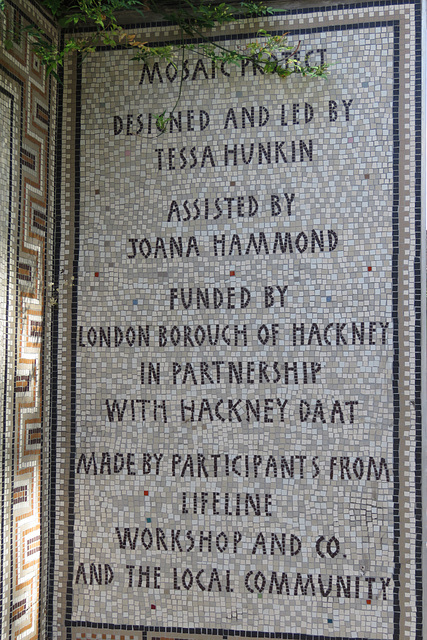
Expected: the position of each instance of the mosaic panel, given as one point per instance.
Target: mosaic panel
(238, 404)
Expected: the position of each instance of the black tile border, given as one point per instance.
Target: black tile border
(44, 528)
(71, 482)
(279, 14)
(418, 275)
(395, 315)
(54, 345)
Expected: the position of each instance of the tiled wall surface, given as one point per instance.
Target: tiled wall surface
(27, 103)
(236, 428)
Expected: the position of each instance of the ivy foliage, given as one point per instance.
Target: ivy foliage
(195, 20)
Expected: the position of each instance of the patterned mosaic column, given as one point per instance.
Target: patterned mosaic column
(27, 107)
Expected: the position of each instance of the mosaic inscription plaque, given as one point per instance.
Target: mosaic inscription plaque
(235, 328)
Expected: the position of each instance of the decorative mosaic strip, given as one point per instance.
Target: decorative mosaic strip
(125, 204)
(26, 222)
(103, 636)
